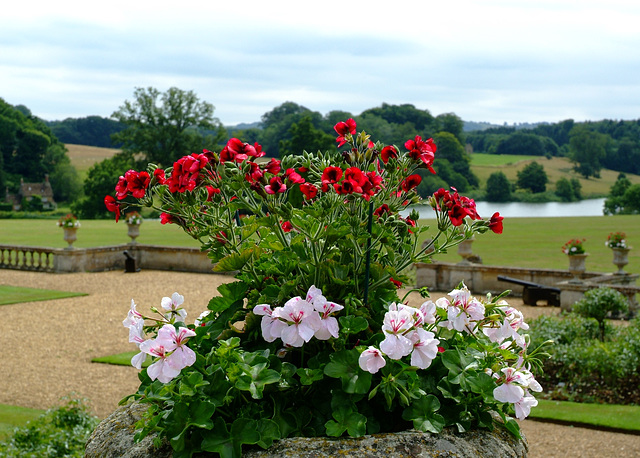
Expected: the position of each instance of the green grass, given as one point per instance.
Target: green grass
(536, 242)
(13, 416)
(92, 233)
(495, 160)
(120, 359)
(599, 415)
(16, 294)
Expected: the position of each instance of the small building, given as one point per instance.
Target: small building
(28, 191)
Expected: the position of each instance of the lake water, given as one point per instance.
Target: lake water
(587, 207)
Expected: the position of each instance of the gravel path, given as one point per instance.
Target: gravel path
(48, 347)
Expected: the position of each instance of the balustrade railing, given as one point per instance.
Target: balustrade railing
(26, 258)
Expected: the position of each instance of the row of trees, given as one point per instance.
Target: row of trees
(591, 146)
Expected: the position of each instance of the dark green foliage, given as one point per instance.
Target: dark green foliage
(587, 149)
(619, 202)
(523, 143)
(533, 177)
(582, 367)
(565, 189)
(91, 131)
(305, 137)
(498, 188)
(59, 432)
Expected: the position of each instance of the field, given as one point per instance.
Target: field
(483, 165)
(526, 242)
(83, 157)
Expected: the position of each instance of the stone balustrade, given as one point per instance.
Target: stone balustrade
(27, 258)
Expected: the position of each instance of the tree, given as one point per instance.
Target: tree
(498, 188)
(533, 177)
(614, 203)
(587, 149)
(631, 200)
(305, 137)
(564, 190)
(452, 123)
(451, 151)
(522, 143)
(166, 126)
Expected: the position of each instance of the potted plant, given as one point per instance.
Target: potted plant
(70, 224)
(617, 241)
(133, 220)
(313, 339)
(574, 248)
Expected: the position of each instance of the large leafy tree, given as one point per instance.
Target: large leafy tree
(305, 137)
(165, 126)
(533, 177)
(498, 188)
(587, 149)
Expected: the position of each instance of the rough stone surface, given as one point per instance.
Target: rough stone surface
(114, 438)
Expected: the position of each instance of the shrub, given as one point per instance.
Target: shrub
(59, 432)
(583, 368)
(599, 303)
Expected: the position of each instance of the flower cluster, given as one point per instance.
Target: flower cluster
(300, 319)
(133, 218)
(574, 246)
(168, 348)
(68, 220)
(616, 240)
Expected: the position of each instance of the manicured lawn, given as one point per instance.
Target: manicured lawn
(16, 294)
(605, 415)
(496, 160)
(13, 416)
(536, 242)
(92, 233)
(120, 359)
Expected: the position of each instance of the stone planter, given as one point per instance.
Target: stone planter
(133, 231)
(114, 438)
(620, 259)
(70, 236)
(577, 266)
(465, 249)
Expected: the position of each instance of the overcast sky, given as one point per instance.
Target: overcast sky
(490, 60)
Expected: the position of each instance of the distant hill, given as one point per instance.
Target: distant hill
(92, 130)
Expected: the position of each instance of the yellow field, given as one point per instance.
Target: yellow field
(83, 157)
(555, 168)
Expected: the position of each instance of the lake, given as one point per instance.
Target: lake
(587, 207)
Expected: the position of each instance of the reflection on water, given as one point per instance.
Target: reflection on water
(588, 207)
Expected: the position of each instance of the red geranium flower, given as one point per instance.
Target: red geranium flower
(495, 223)
(388, 152)
(293, 176)
(411, 182)
(343, 129)
(382, 210)
(422, 150)
(397, 283)
(309, 190)
(137, 183)
(273, 167)
(158, 174)
(331, 175)
(121, 188)
(275, 186)
(287, 226)
(113, 206)
(166, 218)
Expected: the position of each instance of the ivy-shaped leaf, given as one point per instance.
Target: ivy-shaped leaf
(236, 261)
(422, 412)
(344, 365)
(352, 324)
(308, 376)
(459, 364)
(255, 378)
(228, 443)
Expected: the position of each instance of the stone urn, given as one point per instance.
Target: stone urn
(114, 438)
(70, 236)
(620, 259)
(577, 266)
(133, 231)
(465, 249)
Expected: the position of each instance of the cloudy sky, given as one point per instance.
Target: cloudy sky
(491, 60)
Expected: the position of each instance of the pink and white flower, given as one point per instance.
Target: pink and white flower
(271, 326)
(328, 324)
(510, 389)
(301, 320)
(425, 348)
(173, 306)
(161, 369)
(463, 310)
(182, 356)
(523, 406)
(133, 316)
(371, 360)
(395, 325)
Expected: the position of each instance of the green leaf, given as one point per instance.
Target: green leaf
(308, 376)
(235, 261)
(229, 443)
(344, 365)
(269, 432)
(230, 293)
(256, 376)
(352, 324)
(459, 365)
(422, 412)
